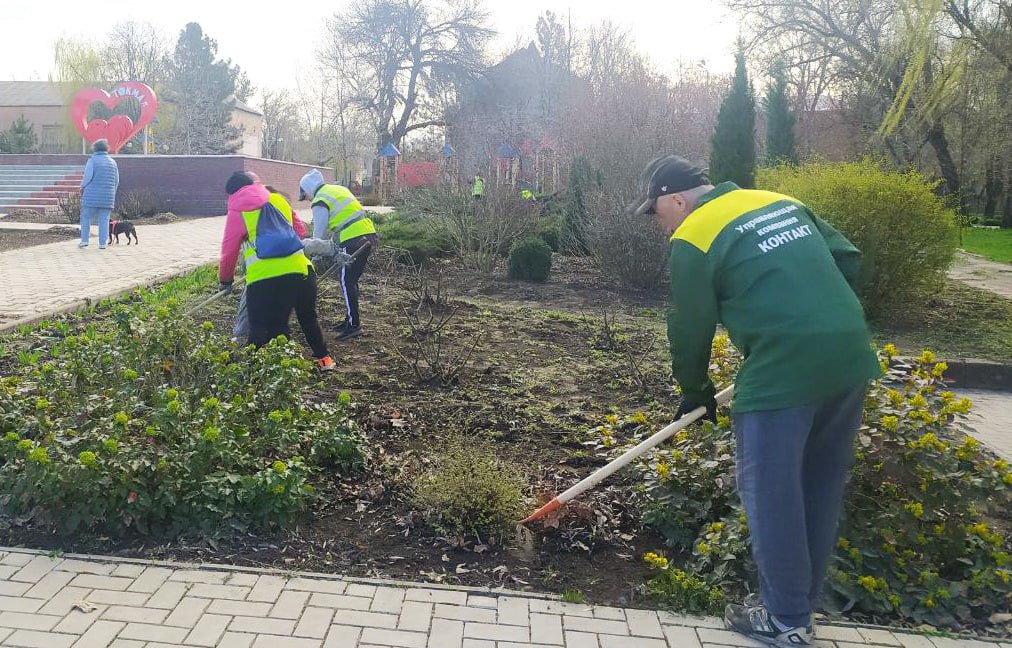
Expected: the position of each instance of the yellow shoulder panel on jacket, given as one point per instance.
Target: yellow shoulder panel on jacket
(705, 223)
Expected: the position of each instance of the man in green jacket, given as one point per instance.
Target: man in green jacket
(780, 280)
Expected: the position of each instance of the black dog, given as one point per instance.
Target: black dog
(118, 227)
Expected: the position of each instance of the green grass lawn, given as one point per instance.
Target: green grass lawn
(992, 244)
(958, 322)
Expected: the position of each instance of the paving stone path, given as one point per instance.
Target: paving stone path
(991, 419)
(982, 273)
(89, 602)
(57, 277)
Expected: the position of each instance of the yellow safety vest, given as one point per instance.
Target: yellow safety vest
(346, 214)
(258, 269)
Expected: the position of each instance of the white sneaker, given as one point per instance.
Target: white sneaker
(82, 245)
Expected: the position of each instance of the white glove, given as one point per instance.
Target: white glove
(315, 247)
(342, 258)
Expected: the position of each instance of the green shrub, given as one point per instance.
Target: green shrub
(530, 260)
(917, 540)
(469, 491)
(583, 179)
(550, 233)
(163, 426)
(902, 227)
(413, 236)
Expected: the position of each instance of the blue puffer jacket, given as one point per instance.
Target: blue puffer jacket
(101, 178)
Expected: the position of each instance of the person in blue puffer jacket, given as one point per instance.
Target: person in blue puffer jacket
(98, 193)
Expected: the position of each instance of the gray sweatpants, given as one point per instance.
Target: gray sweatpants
(792, 465)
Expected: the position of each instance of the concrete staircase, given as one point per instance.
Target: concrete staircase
(37, 188)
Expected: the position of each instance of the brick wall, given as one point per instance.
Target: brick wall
(191, 185)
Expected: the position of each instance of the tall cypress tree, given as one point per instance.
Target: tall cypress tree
(732, 149)
(780, 144)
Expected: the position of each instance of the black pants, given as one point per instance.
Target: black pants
(351, 274)
(270, 303)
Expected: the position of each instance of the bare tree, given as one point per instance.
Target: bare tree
(408, 51)
(344, 76)
(136, 52)
(866, 47)
(280, 124)
(988, 23)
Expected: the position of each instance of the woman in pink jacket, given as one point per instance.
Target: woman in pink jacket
(269, 301)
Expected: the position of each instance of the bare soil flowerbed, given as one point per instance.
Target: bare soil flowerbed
(545, 369)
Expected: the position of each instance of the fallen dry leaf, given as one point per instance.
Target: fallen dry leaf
(84, 606)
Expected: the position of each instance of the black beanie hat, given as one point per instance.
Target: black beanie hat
(237, 181)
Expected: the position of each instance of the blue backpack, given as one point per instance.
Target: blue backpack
(275, 235)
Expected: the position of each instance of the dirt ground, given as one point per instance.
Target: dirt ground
(14, 239)
(540, 368)
(54, 217)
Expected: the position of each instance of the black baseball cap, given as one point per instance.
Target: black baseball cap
(667, 175)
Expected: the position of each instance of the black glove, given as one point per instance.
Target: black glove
(709, 402)
(225, 286)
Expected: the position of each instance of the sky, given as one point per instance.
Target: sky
(667, 31)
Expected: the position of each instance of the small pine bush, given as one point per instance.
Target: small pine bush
(470, 492)
(530, 260)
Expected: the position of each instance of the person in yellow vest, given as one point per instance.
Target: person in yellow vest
(338, 215)
(279, 278)
(478, 188)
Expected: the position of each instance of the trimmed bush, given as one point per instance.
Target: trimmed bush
(530, 260)
(899, 223)
(924, 534)
(159, 425)
(470, 492)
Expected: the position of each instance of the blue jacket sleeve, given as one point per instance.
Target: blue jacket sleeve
(89, 173)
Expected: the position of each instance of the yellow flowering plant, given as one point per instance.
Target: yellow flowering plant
(917, 543)
(920, 498)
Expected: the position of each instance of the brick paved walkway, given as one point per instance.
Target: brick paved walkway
(138, 604)
(57, 277)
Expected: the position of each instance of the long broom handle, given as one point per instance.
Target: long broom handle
(595, 478)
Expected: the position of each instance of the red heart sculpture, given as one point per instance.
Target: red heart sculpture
(119, 128)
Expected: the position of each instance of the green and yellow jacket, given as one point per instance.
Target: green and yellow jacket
(780, 280)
